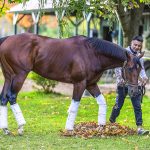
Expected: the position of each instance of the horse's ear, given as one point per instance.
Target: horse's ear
(141, 55)
(124, 64)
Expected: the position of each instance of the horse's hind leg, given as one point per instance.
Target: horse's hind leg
(95, 92)
(16, 85)
(72, 111)
(3, 108)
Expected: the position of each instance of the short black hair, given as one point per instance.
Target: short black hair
(95, 33)
(138, 38)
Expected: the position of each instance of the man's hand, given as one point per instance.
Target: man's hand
(121, 82)
(144, 81)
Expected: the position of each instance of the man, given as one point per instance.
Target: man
(122, 89)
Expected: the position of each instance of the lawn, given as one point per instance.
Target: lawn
(46, 115)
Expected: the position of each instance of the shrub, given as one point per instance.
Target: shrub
(46, 84)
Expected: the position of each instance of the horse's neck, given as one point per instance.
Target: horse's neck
(110, 63)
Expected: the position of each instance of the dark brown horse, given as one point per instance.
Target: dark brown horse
(78, 60)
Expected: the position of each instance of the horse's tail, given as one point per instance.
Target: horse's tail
(3, 39)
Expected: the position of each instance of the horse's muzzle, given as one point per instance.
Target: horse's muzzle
(133, 91)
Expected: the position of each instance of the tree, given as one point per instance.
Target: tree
(130, 19)
(129, 12)
(6, 4)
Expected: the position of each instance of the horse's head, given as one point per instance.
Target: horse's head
(131, 70)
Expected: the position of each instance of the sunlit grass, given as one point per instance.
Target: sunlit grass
(1, 78)
(46, 115)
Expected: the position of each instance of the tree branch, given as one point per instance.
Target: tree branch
(1, 9)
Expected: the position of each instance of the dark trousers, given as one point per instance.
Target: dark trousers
(136, 102)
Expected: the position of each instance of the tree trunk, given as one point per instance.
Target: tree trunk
(130, 21)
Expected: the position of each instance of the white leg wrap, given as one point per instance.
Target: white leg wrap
(3, 117)
(72, 112)
(102, 110)
(18, 114)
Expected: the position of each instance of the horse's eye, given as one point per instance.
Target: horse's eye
(130, 69)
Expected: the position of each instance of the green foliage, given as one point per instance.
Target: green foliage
(46, 84)
(46, 31)
(17, 1)
(53, 32)
(3, 8)
(145, 1)
(4, 5)
(75, 7)
(99, 8)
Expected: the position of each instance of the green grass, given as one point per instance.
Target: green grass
(46, 115)
(1, 78)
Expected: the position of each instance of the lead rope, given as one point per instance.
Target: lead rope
(124, 77)
(142, 91)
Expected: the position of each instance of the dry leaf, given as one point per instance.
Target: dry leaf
(90, 129)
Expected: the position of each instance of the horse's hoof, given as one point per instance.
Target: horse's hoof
(6, 131)
(100, 127)
(20, 130)
(68, 133)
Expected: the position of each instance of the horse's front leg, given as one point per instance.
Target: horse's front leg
(19, 117)
(95, 92)
(73, 109)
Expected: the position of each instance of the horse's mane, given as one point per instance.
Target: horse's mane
(3, 39)
(107, 48)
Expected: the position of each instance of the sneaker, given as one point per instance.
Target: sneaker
(141, 131)
(112, 120)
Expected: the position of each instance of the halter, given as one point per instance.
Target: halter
(141, 89)
(124, 74)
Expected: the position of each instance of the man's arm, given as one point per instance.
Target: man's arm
(119, 79)
(143, 76)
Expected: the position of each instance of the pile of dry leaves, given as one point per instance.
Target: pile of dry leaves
(91, 129)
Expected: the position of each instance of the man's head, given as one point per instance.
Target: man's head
(136, 43)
